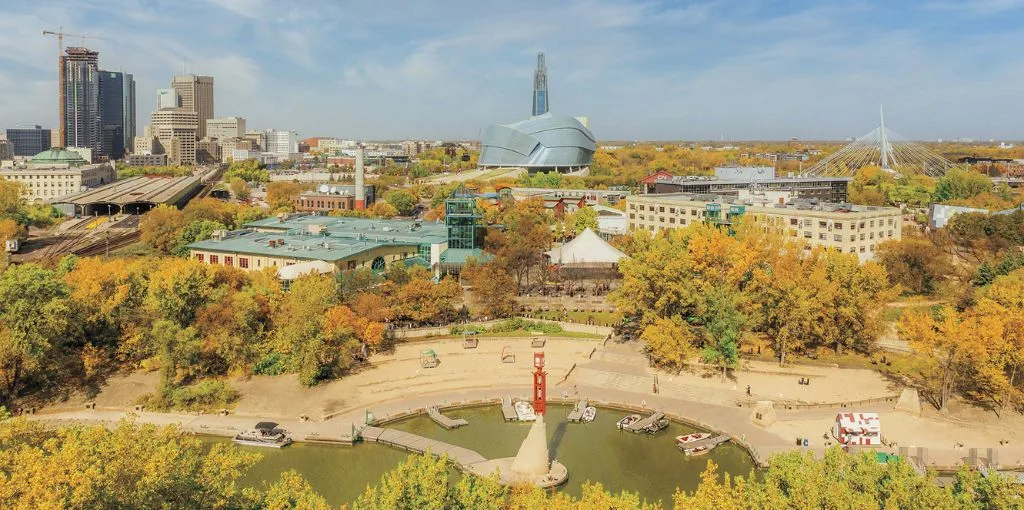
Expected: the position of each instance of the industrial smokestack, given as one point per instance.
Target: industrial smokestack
(360, 176)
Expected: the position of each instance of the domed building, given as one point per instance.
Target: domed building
(56, 173)
(540, 143)
(57, 157)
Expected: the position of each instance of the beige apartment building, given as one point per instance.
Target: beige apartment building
(848, 228)
(225, 128)
(176, 131)
(196, 94)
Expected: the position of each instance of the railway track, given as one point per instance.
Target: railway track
(104, 245)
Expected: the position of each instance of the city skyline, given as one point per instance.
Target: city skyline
(657, 70)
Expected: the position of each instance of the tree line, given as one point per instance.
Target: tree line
(696, 292)
(197, 323)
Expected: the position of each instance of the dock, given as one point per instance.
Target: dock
(576, 415)
(507, 411)
(463, 457)
(709, 442)
(646, 423)
(435, 414)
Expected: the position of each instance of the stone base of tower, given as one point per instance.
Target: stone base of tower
(529, 466)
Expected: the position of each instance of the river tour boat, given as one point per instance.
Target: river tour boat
(265, 434)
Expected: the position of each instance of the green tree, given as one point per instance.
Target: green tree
(669, 342)
(402, 201)
(34, 320)
(961, 184)
(195, 231)
(582, 219)
(724, 323)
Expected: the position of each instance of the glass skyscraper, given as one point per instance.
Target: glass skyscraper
(540, 87)
(81, 98)
(117, 113)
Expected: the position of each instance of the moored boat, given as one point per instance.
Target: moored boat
(700, 450)
(589, 414)
(628, 420)
(265, 434)
(524, 411)
(692, 438)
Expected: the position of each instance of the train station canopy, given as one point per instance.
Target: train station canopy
(588, 249)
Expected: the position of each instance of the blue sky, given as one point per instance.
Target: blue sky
(732, 69)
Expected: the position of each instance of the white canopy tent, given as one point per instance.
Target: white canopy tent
(588, 249)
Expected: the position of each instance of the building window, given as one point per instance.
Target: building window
(682, 221)
(671, 220)
(838, 226)
(214, 259)
(672, 210)
(632, 216)
(822, 224)
(853, 250)
(890, 233)
(821, 236)
(837, 238)
(862, 249)
(351, 264)
(853, 238)
(243, 262)
(661, 209)
(661, 219)
(199, 257)
(862, 224)
(872, 223)
(794, 221)
(862, 237)
(871, 235)
(807, 235)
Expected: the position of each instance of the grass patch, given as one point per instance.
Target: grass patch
(893, 313)
(205, 396)
(139, 249)
(598, 318)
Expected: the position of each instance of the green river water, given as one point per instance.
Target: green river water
(594, 451)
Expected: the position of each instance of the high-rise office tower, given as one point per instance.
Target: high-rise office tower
(175, 130)
(117, 113)
(225, 128)
(196, 95)
(540, 87)
(81, 101)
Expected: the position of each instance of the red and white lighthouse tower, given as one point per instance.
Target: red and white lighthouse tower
(540, 384)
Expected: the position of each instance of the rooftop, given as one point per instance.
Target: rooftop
(405, 231)
(141, 189)
(58, 156)
(304, 246)
(706, 179)
(798, 204)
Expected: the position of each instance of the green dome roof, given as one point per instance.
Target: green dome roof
(58, 155)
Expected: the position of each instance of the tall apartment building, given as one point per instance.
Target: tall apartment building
(117, 113)
(196, 95)
(848, 228)
(281, 143)
(225, 127)
(81, 101)
(167, 98)
(29, 141)
(176, 131)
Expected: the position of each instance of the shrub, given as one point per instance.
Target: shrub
(271, 364)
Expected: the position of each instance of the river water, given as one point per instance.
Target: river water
(597, 451)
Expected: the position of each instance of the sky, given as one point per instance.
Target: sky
(639, 70)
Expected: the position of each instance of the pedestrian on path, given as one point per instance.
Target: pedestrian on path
(748, 390)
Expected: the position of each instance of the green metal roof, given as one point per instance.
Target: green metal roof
(303, 247)
(399, 230)
(58, 155)
(414, 261)
(461, 255)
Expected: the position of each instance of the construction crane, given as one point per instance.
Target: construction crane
(60, 77)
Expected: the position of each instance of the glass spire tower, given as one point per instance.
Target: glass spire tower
(540, 87)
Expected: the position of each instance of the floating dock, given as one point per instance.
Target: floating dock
(464, 457)
(435, 414)
(652, 422)
(507, 410)
(576, 415)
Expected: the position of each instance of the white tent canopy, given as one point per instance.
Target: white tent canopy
(294, 271)
(588, 248)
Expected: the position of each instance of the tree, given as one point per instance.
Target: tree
(724, 323)
(239, 188)
(382, 210)
(669, 342)
(582, 219)
(494, 290)
(249, 170)
(402, 201)
(160, 227)
(281, 193)
(179, 288)
(10, 229)
(915, 263)
(34, 320)
(960, 184)
(947, 340)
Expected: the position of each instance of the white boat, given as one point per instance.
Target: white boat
(692, 438)
(700, 450)
(628, 420)
(524, 411)
(589, 414)
(266, 434)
